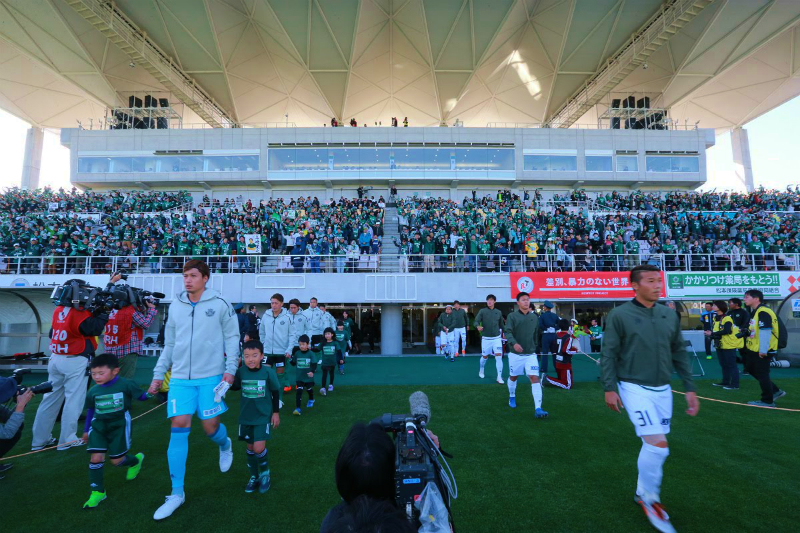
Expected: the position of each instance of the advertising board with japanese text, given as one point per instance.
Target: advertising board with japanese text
(573, 285)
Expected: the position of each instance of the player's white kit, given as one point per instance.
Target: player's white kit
(523, 365)
(649, 408)
(492, 345)
(459, 333)
(447, 338)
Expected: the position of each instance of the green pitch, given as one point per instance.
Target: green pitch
(731, 468)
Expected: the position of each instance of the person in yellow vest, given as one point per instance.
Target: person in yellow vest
(761, 342)
(725, 333)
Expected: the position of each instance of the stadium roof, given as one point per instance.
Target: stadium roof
(480, 61)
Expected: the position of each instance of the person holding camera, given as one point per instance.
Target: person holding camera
(124, 333)
(73, 341)
(365, 469)
(11, 422)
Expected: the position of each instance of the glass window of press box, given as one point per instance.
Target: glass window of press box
(408, 158)
(551, 162)
(169, 163)
(599, 163)
(683, 163)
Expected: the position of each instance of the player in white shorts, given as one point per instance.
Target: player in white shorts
(460, 327)
(521, 331)
(447, 320)
(490, 323)
(642, 343)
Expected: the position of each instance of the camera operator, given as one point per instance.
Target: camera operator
(11, 422)
(73, 341)
(124, 333)
(365, 466)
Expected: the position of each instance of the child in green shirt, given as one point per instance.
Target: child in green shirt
(343, 338)
(306, 363)
(331, 356)
(108, 424)
(259, 409)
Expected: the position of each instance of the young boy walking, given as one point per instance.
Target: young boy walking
(331, 356)
(343, 338)
(305, 362)
(258, 411)
(108, 424)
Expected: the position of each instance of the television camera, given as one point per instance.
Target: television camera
(79, 294)
(418, 461)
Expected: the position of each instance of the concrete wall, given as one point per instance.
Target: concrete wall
(454, 184)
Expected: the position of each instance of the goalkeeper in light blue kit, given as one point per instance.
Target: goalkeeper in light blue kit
(201, 346)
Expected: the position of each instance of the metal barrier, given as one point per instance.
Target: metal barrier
(422, 263)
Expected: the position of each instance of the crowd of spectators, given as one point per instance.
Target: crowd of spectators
(681, 230)
(87, 237)
(17, 201)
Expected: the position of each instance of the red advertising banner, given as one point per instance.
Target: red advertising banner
(573, 285)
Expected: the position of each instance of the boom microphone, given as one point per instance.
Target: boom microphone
(420, 407)
(158, 295)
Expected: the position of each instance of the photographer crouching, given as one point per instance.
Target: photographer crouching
(11, 422)
(124, 331)
(389, 485)
(80, 316)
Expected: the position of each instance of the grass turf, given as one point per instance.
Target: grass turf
(731, 468)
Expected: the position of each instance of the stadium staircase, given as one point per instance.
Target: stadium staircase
(391, 231)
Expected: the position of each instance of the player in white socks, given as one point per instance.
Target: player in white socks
(489, 322)
(521, 331)
(642, 344)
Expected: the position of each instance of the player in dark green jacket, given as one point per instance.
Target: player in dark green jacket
(259, 409)
(642, 344)
(521, 331)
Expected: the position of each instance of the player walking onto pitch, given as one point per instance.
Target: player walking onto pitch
(201, 330)
(642, 343)
(460, 325)
(489, 322)
(447, 321)
(521, 330)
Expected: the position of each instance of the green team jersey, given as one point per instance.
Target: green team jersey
(258, 387)
(331, 353)
(459, 318)
(342, 337)
(183, 248)
(596, 331)
(491, 320)
(112, 400)
(305, 362)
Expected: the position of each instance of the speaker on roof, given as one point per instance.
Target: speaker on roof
(163, 102)
(134, 101)
(139, 124)
(162, 123)
(630, 123)
(614, 123)
(149, 101)
(615, 103)
(643, 103)
(629, 102)
(639, 124)
(652, 119)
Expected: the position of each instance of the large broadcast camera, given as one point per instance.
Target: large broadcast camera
(418, 461)
(79, 294)
(41, 388)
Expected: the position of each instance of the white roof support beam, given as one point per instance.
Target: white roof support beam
(659, 29)
(116, 27)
